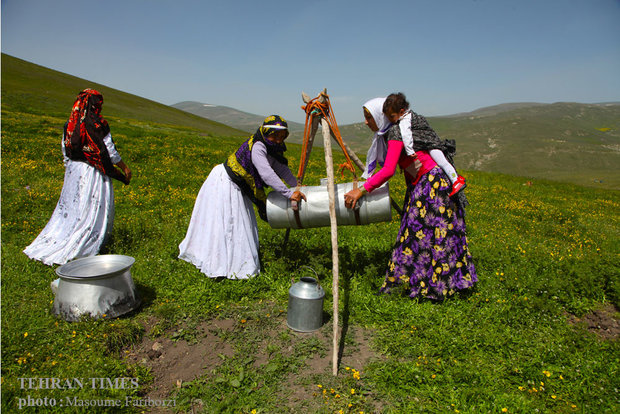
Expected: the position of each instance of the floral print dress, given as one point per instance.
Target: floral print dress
(431, 257)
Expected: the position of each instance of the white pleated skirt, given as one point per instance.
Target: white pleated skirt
(82, 220)
(222, 237)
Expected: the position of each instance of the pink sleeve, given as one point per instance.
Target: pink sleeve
(394, 150)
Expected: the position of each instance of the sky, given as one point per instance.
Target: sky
(447, 56)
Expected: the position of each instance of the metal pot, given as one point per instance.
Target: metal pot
(305, 305)
(372, 208)
(98, 286)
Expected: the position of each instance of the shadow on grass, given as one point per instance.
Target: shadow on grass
(147, 296)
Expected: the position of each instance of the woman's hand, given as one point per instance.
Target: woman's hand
(125, 169)
(298, 196)
(350, 198)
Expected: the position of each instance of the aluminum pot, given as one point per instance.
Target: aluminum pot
(305, 305)
(371, 208)
(97, 286)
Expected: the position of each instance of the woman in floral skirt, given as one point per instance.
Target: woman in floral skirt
(430, 257)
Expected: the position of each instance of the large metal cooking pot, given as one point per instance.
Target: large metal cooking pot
(98, 286)
(371, 208)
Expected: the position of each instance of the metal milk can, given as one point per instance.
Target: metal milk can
(305, 305)
(374, 207)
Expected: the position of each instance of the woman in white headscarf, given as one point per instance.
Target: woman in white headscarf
(378, 123)
(430, 257)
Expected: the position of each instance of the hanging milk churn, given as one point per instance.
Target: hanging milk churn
(314, 212)
(305, 305)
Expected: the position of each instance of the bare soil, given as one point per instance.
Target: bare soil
(603, 322)
(174, 362)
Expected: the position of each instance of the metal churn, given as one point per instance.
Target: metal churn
(305, 305)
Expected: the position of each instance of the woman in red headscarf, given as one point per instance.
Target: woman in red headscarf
(84, 215)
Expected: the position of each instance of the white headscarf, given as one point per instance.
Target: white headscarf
(378, 148)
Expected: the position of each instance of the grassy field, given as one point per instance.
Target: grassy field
(547, 255)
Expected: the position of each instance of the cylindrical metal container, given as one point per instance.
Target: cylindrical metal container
(314, 212)
(305, 305)
(97, 286)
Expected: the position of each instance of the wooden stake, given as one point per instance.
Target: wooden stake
(329, 163)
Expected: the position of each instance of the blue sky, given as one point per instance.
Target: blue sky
(447, 56)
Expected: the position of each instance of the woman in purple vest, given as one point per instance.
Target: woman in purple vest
(222, 238)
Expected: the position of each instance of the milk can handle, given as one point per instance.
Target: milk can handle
(317, 277)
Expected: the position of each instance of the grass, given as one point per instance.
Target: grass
(543, 252)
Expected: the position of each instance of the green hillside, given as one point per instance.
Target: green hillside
(30, 88)
(569, 142)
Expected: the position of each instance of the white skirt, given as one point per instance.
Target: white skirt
(82, 220)
(222, 237)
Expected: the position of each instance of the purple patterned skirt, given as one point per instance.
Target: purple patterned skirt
(430, 257)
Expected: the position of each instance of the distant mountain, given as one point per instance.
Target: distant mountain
(507, 107)
(229, 116)
(563, 141)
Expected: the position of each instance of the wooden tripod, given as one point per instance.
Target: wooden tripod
(315, 114)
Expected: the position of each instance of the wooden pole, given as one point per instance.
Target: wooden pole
(327, 145)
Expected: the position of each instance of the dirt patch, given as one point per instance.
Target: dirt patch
(603, 322)
(174, 361)
(174, 358)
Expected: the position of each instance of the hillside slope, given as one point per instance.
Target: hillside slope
(570, 142)
(24, 83)
(230, 116)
